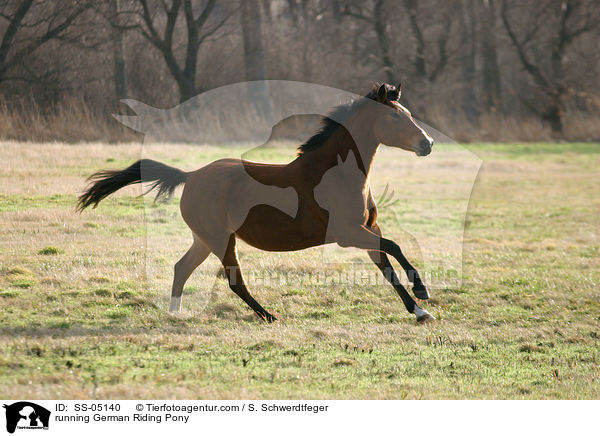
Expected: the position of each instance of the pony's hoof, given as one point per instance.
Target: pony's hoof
(420, 291)
(426, 318)
(267, 317)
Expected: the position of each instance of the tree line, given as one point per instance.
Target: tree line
(460, 60)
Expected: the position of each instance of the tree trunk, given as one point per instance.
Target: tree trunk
(120, 73)
(553, 116)
(380, 24)
(119, 61)
(254, 53)
(469, 43)
(253, 48)
(554, 113)
(185, 84)
(187, 89)
(491, 90)
(336, 10)
(411, 7)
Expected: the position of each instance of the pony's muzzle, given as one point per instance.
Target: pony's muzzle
(424, 147)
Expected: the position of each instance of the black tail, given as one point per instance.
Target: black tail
(106, 182)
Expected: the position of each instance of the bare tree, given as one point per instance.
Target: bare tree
(422, 69)
(253, 46)
(427, 69)
(376, 18)
(469, 45)
(29, 25)
(425, 63)
(475, 56)
(198, 28)
(253, 51)
(491, 86)
(117, 36)
(552, 26)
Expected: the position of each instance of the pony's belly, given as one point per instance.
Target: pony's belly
(267, 228)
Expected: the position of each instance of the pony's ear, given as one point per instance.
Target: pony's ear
(339, 159)
(351, 159)
(382, 94)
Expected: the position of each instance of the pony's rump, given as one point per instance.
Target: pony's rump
(164, 177)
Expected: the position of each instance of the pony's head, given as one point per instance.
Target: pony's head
(393, 124)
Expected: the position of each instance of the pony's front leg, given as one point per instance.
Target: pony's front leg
(393, 249)
(370, 239)
(383, 263)
(419, 288)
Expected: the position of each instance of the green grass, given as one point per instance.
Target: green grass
(47, 251)
(84, 297)
(537, 149)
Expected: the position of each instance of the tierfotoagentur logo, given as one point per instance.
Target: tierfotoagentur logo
(25, 415)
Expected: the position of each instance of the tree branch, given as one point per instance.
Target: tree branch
(442, 51)
(52, 32)
(527, 64)
(11, 31)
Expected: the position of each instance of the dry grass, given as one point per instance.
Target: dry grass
(74, 121)
(89, 320)
(70, 121)
(496, 127)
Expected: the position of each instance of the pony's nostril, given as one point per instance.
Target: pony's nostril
(424, 147)
(426, 143)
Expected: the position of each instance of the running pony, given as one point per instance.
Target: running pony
(322, 196)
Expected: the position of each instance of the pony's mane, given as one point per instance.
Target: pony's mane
(340, 113)
(328, 127)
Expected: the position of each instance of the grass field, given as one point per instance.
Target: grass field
(83, 309)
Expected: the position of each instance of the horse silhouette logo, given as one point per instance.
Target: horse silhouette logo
(26, 415)
(321, 196)
(346, 207)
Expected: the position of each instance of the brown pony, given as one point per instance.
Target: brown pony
(322, 196)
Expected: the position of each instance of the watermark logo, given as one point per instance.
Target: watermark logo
(426, 217)
(25, 415)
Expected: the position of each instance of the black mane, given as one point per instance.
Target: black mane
(341, 113)
(328, 127)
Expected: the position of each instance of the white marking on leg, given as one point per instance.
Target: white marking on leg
(420, 312)
(175, 305)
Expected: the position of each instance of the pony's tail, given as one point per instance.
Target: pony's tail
(104, 183)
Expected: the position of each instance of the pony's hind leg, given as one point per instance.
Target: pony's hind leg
(236, 281)
(197, 253)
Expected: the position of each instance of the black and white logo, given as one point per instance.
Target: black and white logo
(26, 415)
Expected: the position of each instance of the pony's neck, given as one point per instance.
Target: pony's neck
(340, 143)
(353, 137)
(363, 143)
